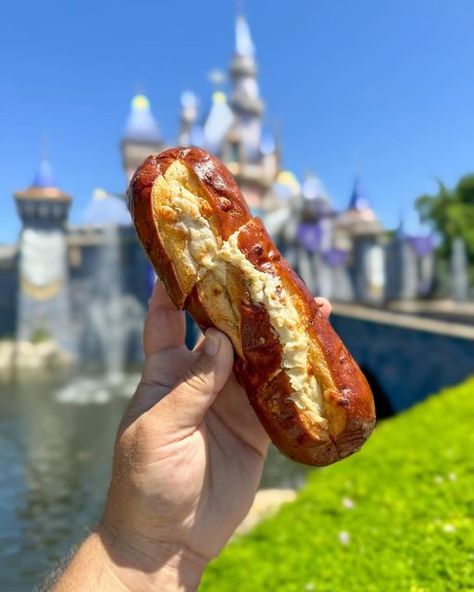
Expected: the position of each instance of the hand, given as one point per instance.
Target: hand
(188, 461)
(190, 449)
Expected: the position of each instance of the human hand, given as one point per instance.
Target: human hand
(190, 449)
(188, 460)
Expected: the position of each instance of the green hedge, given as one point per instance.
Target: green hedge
(397, 516)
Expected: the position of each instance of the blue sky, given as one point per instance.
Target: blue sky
(385, 89)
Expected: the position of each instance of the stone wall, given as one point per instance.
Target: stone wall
(405, 358)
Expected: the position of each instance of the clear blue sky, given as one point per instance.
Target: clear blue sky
(383, 88)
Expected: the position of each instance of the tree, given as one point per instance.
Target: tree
(451, 214)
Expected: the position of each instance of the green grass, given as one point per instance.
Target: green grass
(410, 529)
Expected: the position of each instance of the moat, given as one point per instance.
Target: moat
(56, 440)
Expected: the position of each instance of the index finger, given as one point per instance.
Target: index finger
(164, 323)
(325, 306)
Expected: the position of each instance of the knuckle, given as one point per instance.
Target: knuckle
(195, 380)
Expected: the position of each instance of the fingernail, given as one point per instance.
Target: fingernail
(211, 343)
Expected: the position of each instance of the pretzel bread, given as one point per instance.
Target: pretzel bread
(219, 263)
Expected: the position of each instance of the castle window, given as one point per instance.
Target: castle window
(43, 210)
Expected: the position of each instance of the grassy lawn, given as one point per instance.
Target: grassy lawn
(398, 516)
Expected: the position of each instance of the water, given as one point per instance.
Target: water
(56, 439)
(114, 320)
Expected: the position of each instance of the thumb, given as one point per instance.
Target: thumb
(188, 402)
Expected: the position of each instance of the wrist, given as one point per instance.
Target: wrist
(147, 565)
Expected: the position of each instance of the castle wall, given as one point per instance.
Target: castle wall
(405, 358)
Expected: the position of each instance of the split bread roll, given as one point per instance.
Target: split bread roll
(219, 263)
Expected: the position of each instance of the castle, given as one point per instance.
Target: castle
(77, 283)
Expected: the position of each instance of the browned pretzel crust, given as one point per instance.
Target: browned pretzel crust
(219, 263)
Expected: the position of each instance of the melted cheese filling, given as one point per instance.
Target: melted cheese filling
(201, 241)
(267, 290)
(203, 255)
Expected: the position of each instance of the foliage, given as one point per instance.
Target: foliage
(410, 527)
(451, 213)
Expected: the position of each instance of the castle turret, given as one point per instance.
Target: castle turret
(358, 230)
(43, 204)
(245, 99)
(251, 155)
(409, 264)
(358, 218)
(218, 122)
(189, 115)
(43, 307)
(315, 200)
(401, 267)
(142, 136)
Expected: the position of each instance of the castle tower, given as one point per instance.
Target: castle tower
(401, 267)
(142, 136)
(358, 230)
(43, 306)
(218, 122)
(189, 115)
(245, 98)
(358, 218)
(410, 265)
(252, 156)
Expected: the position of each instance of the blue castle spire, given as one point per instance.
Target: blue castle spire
(244, 45)
(44, 175)
(141, 125)
(358, 200)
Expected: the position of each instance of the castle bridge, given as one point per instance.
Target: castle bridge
(405, 357)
